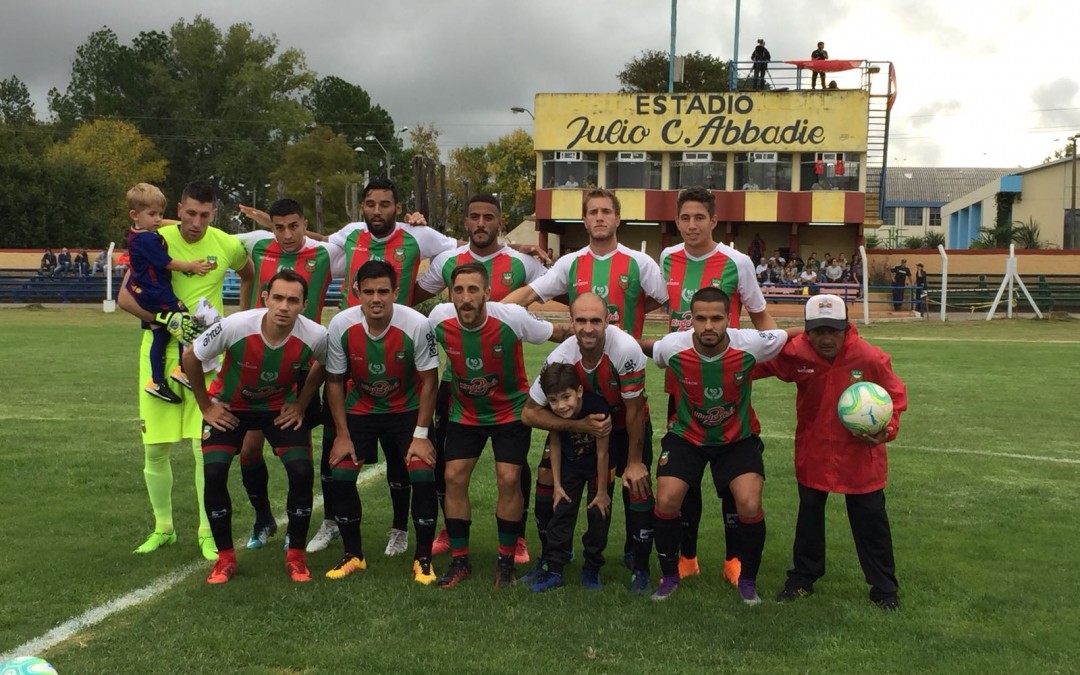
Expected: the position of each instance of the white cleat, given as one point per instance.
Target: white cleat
(398, 543)
(327, 533)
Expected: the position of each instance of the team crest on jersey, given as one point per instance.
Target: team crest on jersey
(498, 349)
(856, 376)
(309, 265)
(600, 290)
(268, 376)
(624, 281)
(400, 357)
(212, 261)
(376, 368)
(399, 254)
(508, 278)
(663, 458)
(739, 376)
(142, 425)
(714, 392)
(296, 365)
(717, 283)
(613, 383)
(474, 363)
(205, 431)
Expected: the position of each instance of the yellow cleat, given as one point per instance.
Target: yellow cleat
(158, 539)
(688, 567)
(732, 570)
(347, 566)
(423, 573)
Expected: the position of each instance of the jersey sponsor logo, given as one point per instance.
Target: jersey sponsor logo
(715, 416)
(804, 370)
(376, 368)
(268, 376)
(684, 322)
(628, 367)
(380, 388)
(767, 336)
(212, 333)
(714, 393)
(508, 278)
(474, 362)
(624, 281)
(260, 393)
(478, 387)
(602, 291)
(613, 315)
(432, 347)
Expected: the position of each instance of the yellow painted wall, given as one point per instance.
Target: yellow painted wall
(1046, 195)
(828, 207)
(760, 206)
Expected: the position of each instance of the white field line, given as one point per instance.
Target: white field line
(959, 451)
(91, 617)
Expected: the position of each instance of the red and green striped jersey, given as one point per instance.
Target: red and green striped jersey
(256, 375)
(488, 380)
(382, 369)
(508, 270)
(620, 373)
(712, 403)
(723, 268)
(623, 278)
(316, 261)
(403, 248)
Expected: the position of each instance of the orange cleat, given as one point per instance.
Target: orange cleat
(732, 570)
(224, 568)
(688, 567)
(296, 567)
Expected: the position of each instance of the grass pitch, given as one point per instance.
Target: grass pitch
(984, 498)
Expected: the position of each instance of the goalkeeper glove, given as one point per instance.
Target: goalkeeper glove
(180, 325)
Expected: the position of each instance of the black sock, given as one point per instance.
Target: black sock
(256, 480)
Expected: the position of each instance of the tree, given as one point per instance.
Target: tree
(325, 156)
(466, 174)
(120, 156)
(347, 110)
(15, 106)
(649, 73)
(512, 166)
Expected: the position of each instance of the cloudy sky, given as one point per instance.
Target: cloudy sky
(981, 82)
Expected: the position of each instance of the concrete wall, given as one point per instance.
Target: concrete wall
(981, 262)
(1047, 193)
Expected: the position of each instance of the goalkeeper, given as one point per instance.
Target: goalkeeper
(164, 424)
(150, 281)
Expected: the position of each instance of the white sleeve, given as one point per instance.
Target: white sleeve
(749, 290)
(425, 351)
(338, 238)
(318, 350)
(555, 281)
(765, 345)
(438, 314)
(337, 258)
(533, 269)
(652, 280)
(249, 239)
(431, 280)
(527, 326)
(213, 343)
(663, 349)
(336, 361)
(432, 242)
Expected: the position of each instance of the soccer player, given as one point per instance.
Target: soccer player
(628, 281)
(579, 465)
(482, 340)
(696, 263)
(149, 281)
(265, 352)
(508, 270)
(829, 357)
(714, 424)
(610, 363)
(285, 246)
(404, 246)
(387, 353)
(164, 424)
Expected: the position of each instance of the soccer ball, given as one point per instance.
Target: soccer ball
(865, 408)
(26, 665)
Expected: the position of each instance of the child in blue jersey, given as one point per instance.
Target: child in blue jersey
(149, 280)
(579, 466)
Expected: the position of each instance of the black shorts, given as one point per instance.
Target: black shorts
(313, 414)
(394, 431)
(509, 442)
(683, 460)
(250, 420)
(617, 449)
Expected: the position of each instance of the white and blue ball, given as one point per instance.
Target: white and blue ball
(865, 408)
(27, 665)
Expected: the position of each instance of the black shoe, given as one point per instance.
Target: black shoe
(790, 593)
(504, 572)
(460, 569)
(161, 390)
(889, 604)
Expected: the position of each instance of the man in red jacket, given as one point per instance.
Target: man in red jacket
(824, 361)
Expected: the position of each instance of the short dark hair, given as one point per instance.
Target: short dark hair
(601, 193)
(200, 191)
(381, 184)
(558, 377)
(471, 268)
(288, 275)
(376, 269)
(486, 199)
(711, 294)
(286, 207)
(697, 194)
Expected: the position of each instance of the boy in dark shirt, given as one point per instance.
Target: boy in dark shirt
(149, 281)
(579, 464)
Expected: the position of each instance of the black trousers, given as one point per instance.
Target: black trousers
(869, 528)
(898, 297)
(560, 531)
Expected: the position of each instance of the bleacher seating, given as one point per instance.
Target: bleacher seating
(777, 293)
(975, 292)
(27, 286)
(231, 292)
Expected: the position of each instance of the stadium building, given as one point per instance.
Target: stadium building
(801, 168)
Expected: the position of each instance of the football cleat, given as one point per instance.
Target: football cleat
(546, 582)
(160, 390)
(688, 567)
(178, 376)
(327, 532)
(521, 552)
(639, 583)
(791, 593)
(590, 579)
(441, 544)
(460, 569)
(748, 591)
(224, 569)
(347, 566)
(423, 573)
(668, 586)
(208, 547)
(398, 542)
(260, 534)
(296, 567)
(155, 541)
(732, 570)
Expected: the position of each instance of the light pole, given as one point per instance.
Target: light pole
(1072, 211)
(518, 109)
(389, 168)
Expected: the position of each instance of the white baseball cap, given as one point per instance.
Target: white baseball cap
(826, 311)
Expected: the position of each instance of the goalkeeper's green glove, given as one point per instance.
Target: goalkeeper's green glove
(181, 326)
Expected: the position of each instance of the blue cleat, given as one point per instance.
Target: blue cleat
(590, 579)
(639, 583)
(546, 582)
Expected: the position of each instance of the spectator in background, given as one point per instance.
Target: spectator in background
(812, 263)
(807, 277)
(776, 271)
(123, 261)
(835, 271)
(901, 274)
(818, 54)
(761, 58)
(63, 262)
(848, 276)
(48, 263)
(750, 184)
(100, 262)
(82, 263)
(799, 264)
(571, 182)
(779, 257)
(757, 248)
(762, 271)
(790, 276)
(920, 289)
